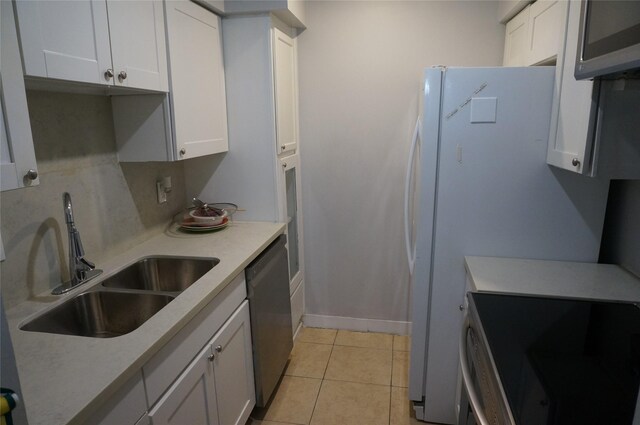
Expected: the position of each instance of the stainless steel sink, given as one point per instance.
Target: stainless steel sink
(168, 274)
(100, 314)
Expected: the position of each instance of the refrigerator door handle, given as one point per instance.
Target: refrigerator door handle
(411, 251)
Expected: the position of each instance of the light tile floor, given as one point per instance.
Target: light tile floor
(342, 378)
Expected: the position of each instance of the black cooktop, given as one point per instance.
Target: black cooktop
(564, 361)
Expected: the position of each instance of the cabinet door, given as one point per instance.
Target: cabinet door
(192, 398)
(284, 70)
(545, 30)
(67, 40)
(233, 368)
(291, 213)
(516, 47)
(138, 44)
(573, 112)
(197, 80)
(17, 156)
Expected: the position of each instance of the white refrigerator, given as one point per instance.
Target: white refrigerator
(483, 187)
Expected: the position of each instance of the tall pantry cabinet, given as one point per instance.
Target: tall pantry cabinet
(261, 171)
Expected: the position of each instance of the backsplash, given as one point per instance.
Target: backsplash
(114, 204)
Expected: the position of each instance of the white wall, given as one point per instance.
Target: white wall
(360, 67)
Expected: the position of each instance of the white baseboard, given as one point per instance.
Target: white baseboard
(355, 324)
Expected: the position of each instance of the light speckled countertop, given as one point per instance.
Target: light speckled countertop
(65, 378)
(552, 278)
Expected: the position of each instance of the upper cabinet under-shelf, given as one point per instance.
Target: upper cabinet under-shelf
(108, 43)
(534, 35)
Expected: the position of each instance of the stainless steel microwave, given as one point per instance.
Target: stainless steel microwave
(609, 42)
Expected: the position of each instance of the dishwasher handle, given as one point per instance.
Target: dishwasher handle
(466, 375)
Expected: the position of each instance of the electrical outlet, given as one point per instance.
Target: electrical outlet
(162, 194)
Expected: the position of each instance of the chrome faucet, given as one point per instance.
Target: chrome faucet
(81, 270)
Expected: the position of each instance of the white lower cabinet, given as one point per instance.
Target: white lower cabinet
(233, 368)
(217, 387)
(192, 398)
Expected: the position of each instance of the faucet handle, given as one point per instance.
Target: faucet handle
(87, 263)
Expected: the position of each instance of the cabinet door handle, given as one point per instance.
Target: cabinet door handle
(283, 147)
(122, 76)
(575, 162)
(219, 349)
(211, 357)
(183, 151)
(108, 74)
(31, 174)
(284, 165)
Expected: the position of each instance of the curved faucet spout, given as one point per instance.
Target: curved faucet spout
(68, 208)
(81, 270)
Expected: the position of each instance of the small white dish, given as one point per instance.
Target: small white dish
(208, 220)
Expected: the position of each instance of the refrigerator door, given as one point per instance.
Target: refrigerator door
(495, 196)
(425, 210)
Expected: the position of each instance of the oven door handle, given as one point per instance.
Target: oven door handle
(466, 375)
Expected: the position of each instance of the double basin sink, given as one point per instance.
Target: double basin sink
(123, 302)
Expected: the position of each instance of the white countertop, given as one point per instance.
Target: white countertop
(552, 278)
(65, 378)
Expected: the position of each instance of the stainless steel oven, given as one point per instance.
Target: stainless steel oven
(483, 401)
(529, 360)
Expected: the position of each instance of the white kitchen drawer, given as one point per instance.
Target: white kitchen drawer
(170, 361)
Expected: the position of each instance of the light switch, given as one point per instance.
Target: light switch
(484, 109)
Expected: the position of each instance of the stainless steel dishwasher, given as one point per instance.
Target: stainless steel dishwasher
(270, 307)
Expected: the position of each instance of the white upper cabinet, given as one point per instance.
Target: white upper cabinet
(138, 45)
(197, 79)
(515, 39)
(574, 108)
(545, 26)
(190, 121)
(285, 87)
(17, 156)
(119, 43)
(534, 35)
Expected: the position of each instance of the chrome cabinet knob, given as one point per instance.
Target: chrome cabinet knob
(461, 307)
(183, 151)
(122, 76)
(219, 349)
(31, 174)
(108, 74)
(211, 357)
(575, 162)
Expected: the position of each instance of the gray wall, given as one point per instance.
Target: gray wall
(360, 68)
(621, 237)
(114, 204)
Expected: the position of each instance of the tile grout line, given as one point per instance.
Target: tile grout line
(322, 379)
